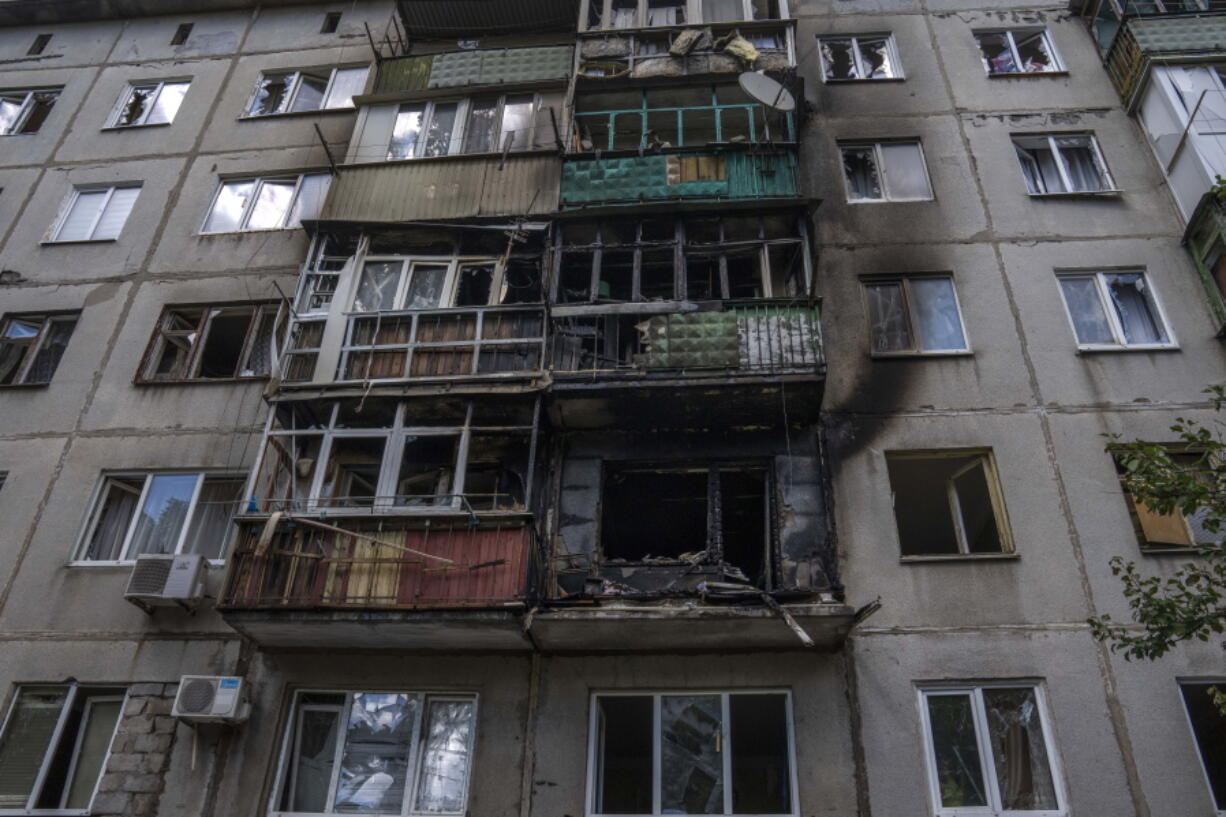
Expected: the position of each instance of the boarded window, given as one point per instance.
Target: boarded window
(947, 503)
(1173, 530)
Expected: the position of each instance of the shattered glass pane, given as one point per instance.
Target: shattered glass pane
(955, 750)
(837, 57)
(445, 758)
(314, 758)
(40, 108)
(1019, 752)
(875, 58)
(691, 761)
(134, 110)
(406, 132)
(1033, 50)
(996, 53)
(516, 122)
(272, 95)
(374, 766)
(625, 755)
(377, 287)
(1086, 310)
(860, 169)
(426, 286)
(1133, 305)
(888, 318)
(761, 772)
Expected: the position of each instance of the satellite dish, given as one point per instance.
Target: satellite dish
(767, 91)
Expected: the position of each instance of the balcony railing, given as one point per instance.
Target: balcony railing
(740, 338)
(688, 126)
(307, 565)
(1129, 43)
(443, 343)
(728, 174)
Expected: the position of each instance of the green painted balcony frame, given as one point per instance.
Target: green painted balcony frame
(1205, 241)
(720, 175)
(757, 130)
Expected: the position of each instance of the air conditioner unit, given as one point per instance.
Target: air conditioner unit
(166, 581)
(211, 699)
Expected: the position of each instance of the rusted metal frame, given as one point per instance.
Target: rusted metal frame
(715, 527)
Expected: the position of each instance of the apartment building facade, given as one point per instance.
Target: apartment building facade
(598, 407)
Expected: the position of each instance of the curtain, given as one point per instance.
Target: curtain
(1134, 308)
(722, 11)
(444, 767)
(860, 168)
(888, 318)
(1089, 320)
(210, 526)
(905, 177)
(118, 505)
(1081, 164)
(1018, 750)
(939, 328)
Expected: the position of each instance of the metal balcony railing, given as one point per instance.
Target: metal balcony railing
(307, 564)
(741, 338)
(647, 127)
(443, 343)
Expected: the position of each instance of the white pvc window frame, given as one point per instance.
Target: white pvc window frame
(693, 15)
(109, 480)
(1011, 35)
(1113, 317)
(156, 86)
(984, 746)
(285, 775)
(451, 281)
(460, 127)
(1100, 163)
(74, 199)
(198, 337)
(882, 177)
(26, 106)
(295, 85)
(656, 728)
(74, 690)
(1219, 682)
(258, 183)
(891, 45)
(912, 315)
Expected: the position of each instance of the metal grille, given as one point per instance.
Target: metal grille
(197, 695)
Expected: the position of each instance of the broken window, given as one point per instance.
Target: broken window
(612, 14)
(715, 513)
(400, 283)
(988, 750)
(947, 503)
(1113, 309)
(269, 203)
(861, 57)
(1017, 52)
(25, 111)
(1062, 164)
(914, 315)
(302, 350)
(389, 458)
(161, 512)
(182, 32)
(1162, 531)
(95, 213)
(154, 103)
(1209, 731)
(885, 171)
(444, 128)
(55, 745)
(306, 90)
(377, 753)
(212, 342)
(31, 347)
(39, 45)
(692, 753)
(332, 21)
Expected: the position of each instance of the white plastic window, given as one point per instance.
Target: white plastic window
(1024, 51)
(989, 752)
(219, 342)
(160, 512)
(427, 129)
(23, 112)
(149, 103)
(1113, 310)
(864, 57)
(95, 214)
(885, 171)
(1069, 163)
(266, 203)
(914, 315)
(312, 89)
(613, 14)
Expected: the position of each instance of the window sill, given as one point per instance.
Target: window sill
(24, 385)
(860, 80)
(293, 114)
(55, 242)
(754, 24)
(490, 155)
(263, 231)
(891, 201)
(1097, 350)
(137, 127)
(1024, 74)
(1079, 194)
(200, 381)
(128, 564)
(960, 557)
(1185, 551)
(918, 355)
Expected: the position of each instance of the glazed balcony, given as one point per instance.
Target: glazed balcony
(669, 52)
(381, 583)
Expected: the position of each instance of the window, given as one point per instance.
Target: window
(149, 103)
(1209, 730)
(39, 45)
(266, 203)
(425, 129)
(646, 13)
(161, 512)
(23, 112)
(4, 475)
(217, 342)
(863, 57)
(947, 503)
(396, 459)
(885, 171)
(914, 315)
(691, 753)
(987, 751)
(95, 213)
(394, 283)
(309, 89)
(183, 31)
(54, 747)
(1114, 310)
(1017, 52)
(376, 752)
(1062, 164)
(332, 21)
(31, 346)
(1166, 531)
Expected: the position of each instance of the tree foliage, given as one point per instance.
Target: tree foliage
(1188, 478)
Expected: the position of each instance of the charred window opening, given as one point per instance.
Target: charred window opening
(382, 457)
(718, 514)
(729, 258)
(692, 753)
(948, 503)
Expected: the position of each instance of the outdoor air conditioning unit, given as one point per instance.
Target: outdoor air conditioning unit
(166, 581)
(211, 699)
